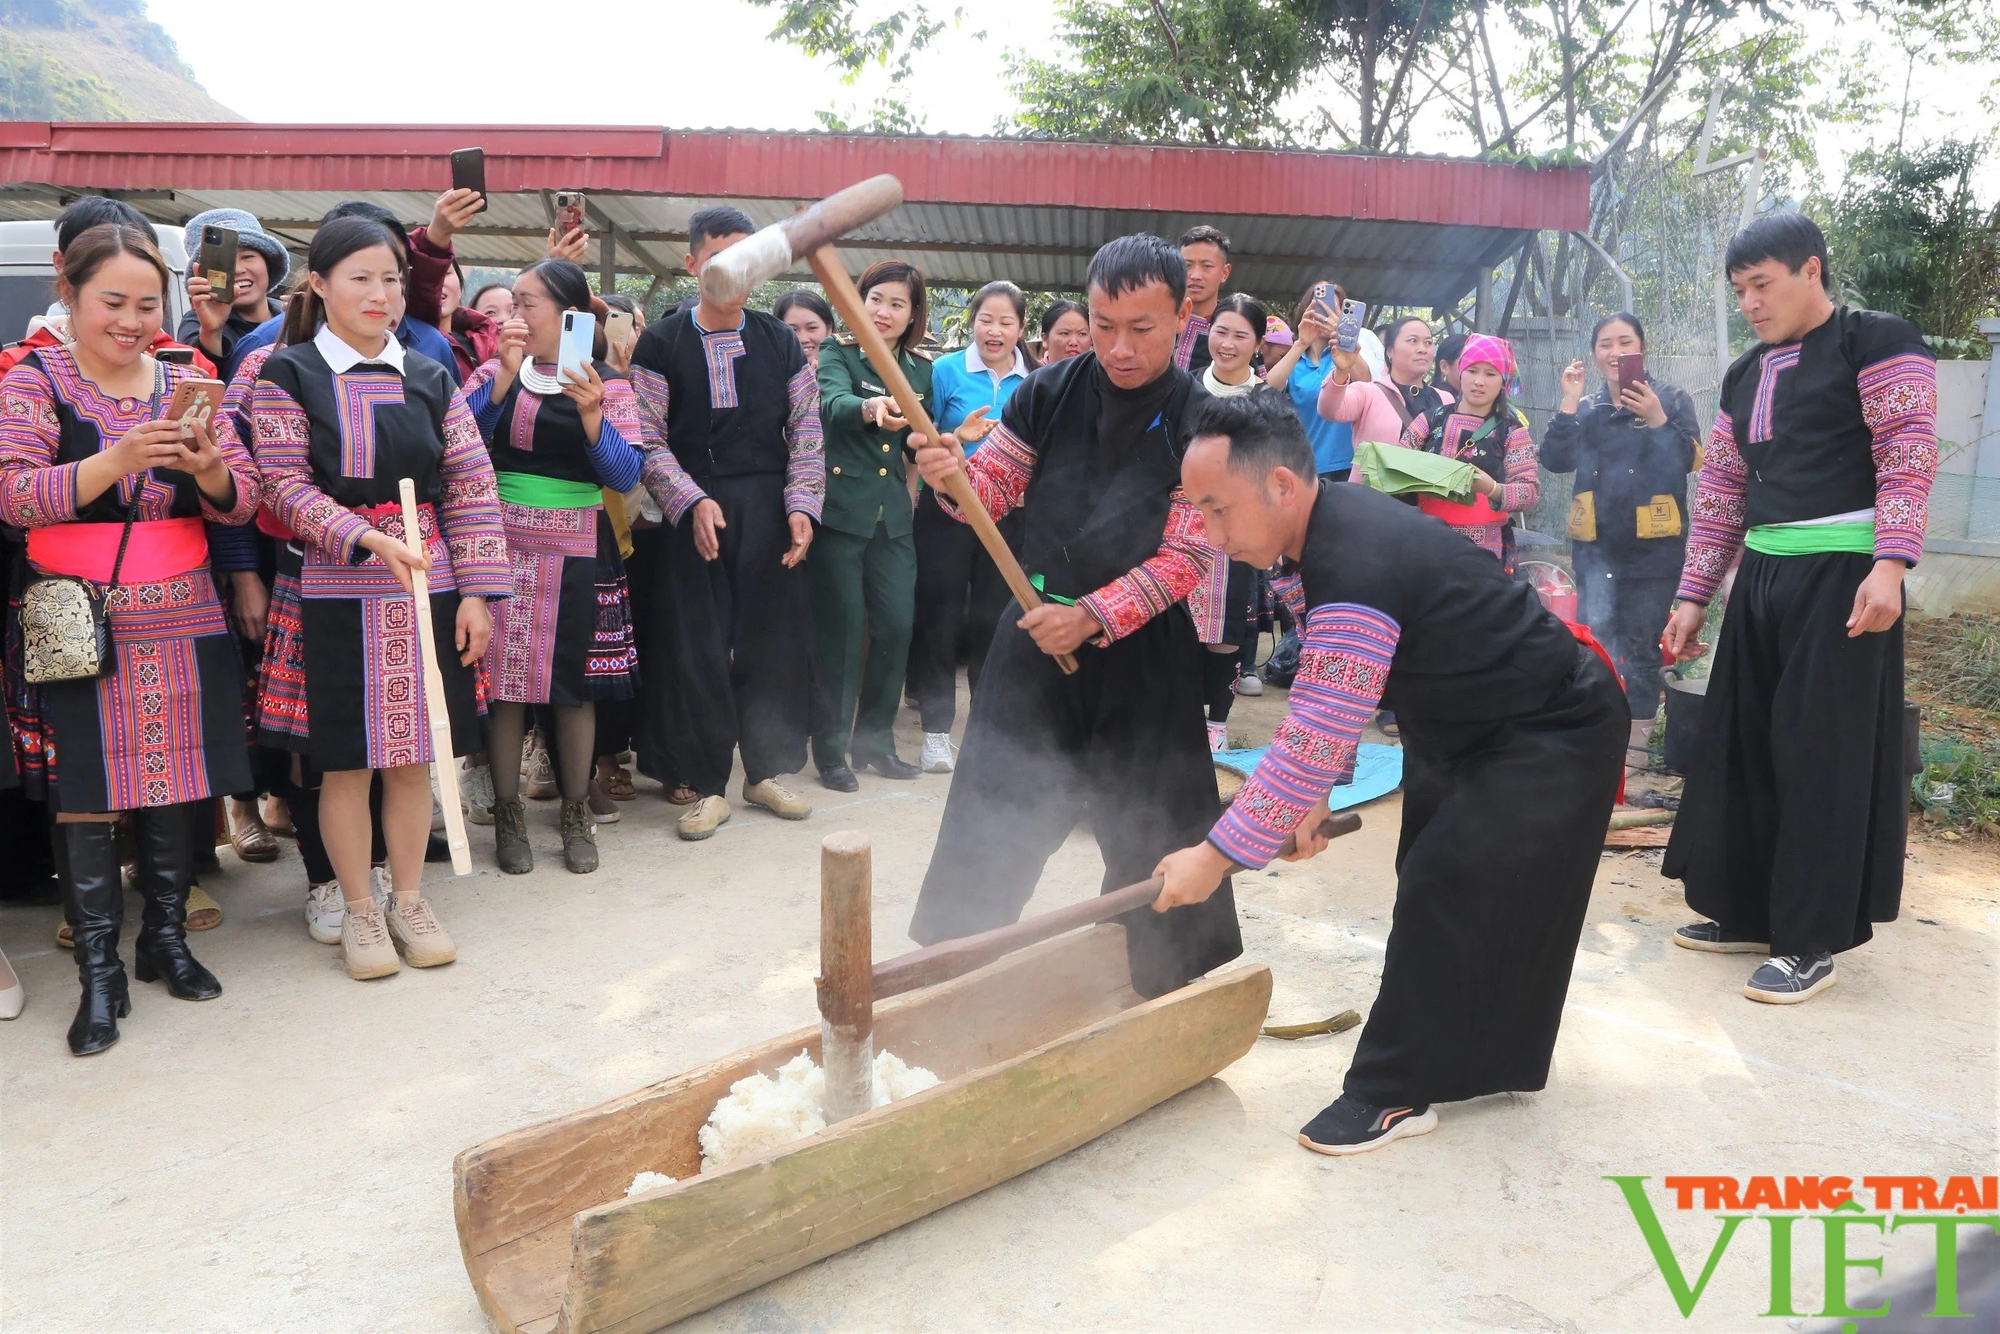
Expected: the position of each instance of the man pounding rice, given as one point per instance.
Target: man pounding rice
(1513, 741)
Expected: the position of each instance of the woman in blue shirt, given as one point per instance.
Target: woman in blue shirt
(1301, 372)
(959, 589)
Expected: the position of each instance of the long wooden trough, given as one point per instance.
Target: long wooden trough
(1039, 1052)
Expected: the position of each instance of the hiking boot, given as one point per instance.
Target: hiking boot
(325, 910)
(475, 790)
(1710, 938)
(417, 936)
(365, 947)
(510, 838)
(579, 838)
(1348, 1126)
(707, 815)
(778, 799)
(936, 758)
(1788, 979)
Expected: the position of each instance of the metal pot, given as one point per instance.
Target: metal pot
(1684, 702)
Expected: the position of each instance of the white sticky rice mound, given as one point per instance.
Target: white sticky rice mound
(649, 1181)
(762, 1113)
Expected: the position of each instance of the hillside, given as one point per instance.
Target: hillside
(94, 60)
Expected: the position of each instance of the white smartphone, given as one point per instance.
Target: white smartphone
(579, 330)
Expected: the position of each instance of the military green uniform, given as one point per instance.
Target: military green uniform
(864, 561)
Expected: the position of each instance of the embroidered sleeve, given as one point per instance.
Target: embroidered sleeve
(1715, 519)
(805, 465)
(1522, 486)
(282, 438)
(999, 473)
(675, 492)
(35, 491)
(1418, 431)
(469, 508)
(615, 455)
(1899, 403)
(479, 399)
(249, 488)
(1343, 666)
(1185, 558)
(1290, 589)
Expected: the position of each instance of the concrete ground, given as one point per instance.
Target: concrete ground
(280, 1159)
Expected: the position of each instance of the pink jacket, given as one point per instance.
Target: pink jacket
(1363, 406)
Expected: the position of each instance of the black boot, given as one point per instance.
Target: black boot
(94, 907)
(161, 952)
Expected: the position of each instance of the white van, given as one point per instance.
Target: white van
(28, 275)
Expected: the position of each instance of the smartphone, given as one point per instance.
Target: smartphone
(618, 328)
(1348, 336)
(179, 356)
(216, 261)
(579, 330)
(468, 172)
(195, 400)
(1631, 370)
(569, 212)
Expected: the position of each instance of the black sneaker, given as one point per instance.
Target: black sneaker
(1790, 978)
(1710, 937)
(1349, 1125)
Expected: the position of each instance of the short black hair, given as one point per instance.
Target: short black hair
(361, 208)
(812, 301)
(1789, 238)
(1208, 234)
(80, 215)
(722, 220)
(1263, 433)
(1450, 349)
(1131, 262)
(1055, 312)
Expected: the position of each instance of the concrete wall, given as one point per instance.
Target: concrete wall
(1961, 565)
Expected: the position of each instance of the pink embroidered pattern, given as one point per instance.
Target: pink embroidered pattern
(521, 434)
(1763, 407)
(722, 350)
(675, 492)
(1899, 403)
(469, 507)
(1185, 558)
(1715, 514)
(359, 394)
(805, 464)
(398, 726)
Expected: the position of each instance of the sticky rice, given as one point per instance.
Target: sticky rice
(649, 1181)
(762, 1113)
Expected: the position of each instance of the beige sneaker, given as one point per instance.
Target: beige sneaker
(707, 815)
(778, 799)
(417, 935)
(365, 947)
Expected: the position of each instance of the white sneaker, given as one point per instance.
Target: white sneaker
(379, 886)
(1218, 737)
(325, 909)
(936, 758)
(475, 790)
(1249, 684)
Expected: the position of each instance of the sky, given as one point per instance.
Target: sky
(710, 64)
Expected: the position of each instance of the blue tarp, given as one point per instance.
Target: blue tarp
(1378, 771)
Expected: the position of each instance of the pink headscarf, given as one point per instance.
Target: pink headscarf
(1495, 352)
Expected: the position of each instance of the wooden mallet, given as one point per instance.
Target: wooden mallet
(434, 702)
(810, 235)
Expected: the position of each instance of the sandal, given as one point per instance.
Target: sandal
(203, 912)
(249, 836)
(680, 794)
(617, 785)
(282, 828)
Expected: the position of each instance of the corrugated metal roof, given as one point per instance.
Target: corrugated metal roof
(1411, 230)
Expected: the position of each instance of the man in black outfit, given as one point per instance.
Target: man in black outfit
(1089, 450)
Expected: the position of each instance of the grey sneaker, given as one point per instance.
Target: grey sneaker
(326, 912)
(1250, 684)
(510, 838)
(1710, 938)
(475, 790)
(1790, 978)
(579, 838)
(936, 758)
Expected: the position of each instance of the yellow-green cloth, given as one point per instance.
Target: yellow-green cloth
(1398, 471)
(547, 493)
(1811, 539)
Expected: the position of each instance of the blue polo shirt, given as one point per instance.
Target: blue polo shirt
(1332, 442)
(960, 382)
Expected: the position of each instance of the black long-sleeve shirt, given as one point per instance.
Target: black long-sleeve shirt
(1626, 465)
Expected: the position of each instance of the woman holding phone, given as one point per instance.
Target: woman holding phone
(89, 464)
(1631, 445)
(1065, 331)
(559, 438)
(1484, 430)
(960, 593)
(339, 415)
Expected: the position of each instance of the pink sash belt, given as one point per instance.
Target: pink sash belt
(1479, 512)
(159, 549)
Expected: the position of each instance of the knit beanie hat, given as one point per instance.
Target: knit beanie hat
(249, 232)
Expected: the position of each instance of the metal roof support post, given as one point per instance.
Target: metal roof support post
(1624, 281)
(1482, 303)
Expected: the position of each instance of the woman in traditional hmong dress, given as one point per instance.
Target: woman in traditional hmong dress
(555, 444)
(339, 416)
(83, 450)
(1483, 429)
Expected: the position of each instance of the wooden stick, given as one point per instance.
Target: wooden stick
(846, 1002)
(846, 299)
(952, 958)
(434, 703)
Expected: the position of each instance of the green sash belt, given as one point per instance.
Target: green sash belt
(548, 493)
(1812, 539)
(1035, 580)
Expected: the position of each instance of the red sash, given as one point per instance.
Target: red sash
(158, 549)
(1478, 513)
(1589, 641)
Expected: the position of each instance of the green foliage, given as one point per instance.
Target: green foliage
(856, 36)
(33, 87)
(1960, 783)
(1206, 70)
(1908, 236)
